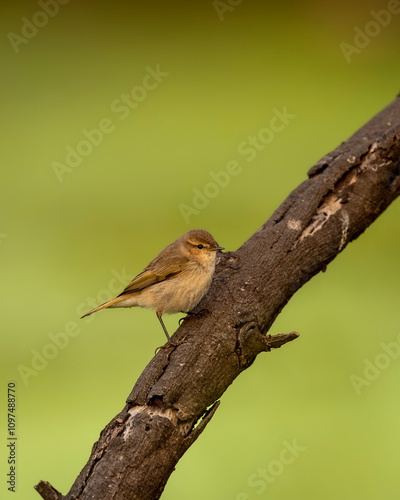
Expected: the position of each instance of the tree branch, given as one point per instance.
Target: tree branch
(177, 393)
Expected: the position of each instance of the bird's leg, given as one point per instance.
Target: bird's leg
(169, 343)
(159, 314)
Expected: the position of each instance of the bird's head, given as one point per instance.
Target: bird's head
(200, 246)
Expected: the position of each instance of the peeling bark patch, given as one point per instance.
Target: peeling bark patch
(345, 228)
(329, 208)
(151, 412)
(130, 422)
(370, 161)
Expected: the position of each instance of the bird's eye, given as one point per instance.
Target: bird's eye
(200, 246)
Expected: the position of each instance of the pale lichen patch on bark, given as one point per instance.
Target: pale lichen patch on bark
(294, 224)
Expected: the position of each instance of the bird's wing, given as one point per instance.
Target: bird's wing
(158, 270)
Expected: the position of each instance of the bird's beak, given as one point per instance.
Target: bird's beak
(214, 249)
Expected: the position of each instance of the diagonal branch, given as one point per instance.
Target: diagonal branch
(177, 394)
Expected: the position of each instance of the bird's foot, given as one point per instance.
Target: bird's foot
(170, 344)
(191, 315)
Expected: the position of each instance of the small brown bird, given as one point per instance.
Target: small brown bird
(175, 281)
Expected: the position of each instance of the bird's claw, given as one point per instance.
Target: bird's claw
(191, 315)
(170, 344)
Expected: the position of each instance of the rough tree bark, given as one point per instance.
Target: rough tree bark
(178, 392)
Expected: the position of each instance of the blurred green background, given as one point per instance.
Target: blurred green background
(75, 234)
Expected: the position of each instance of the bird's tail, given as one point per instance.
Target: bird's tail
(109, 303)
